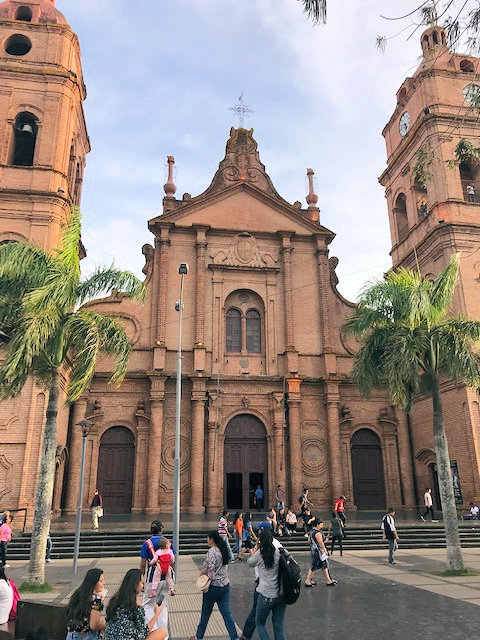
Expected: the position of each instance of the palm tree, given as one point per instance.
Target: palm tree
(53, 335)
(408, 341)
(316, 10)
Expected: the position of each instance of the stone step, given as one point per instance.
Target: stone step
(96, 544)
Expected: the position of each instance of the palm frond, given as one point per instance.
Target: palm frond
(22, 268)
(444, 286)
(103, 280)
(456, 341)
(87, 333)
(68, 254)
(316, 10)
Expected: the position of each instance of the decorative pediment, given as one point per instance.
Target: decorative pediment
(243, 252)
(242, 164)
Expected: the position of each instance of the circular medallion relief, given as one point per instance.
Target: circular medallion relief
(244, 249)
(314, 456)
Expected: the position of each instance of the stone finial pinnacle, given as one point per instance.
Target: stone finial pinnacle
(312, 197)
(170, 186)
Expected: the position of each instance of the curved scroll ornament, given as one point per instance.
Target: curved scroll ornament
(244, 251)
(149, 253)
(5, 475)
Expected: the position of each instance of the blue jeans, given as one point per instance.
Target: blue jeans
(392, 547)
(221, 596)
(90, 635)
(250, 624)
(277, 607)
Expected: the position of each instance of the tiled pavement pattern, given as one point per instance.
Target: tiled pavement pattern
(371, 600)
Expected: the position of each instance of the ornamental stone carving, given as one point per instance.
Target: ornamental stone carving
(244, 252)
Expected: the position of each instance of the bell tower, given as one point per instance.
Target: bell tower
(432, 167)
(43, 136)
(43, 144)
(432, 187)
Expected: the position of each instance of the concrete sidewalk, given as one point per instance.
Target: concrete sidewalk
(420, 568)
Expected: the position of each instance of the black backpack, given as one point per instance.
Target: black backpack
(289, 577)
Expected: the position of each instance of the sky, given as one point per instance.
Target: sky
(162, 74)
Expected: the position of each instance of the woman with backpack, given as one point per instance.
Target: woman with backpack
(319, 556)
(215, 567)
(6, 597)
(84, 611)
(125, 615)
(266, 559)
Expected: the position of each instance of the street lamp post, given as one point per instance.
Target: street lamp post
(182, 270)
(86, 426)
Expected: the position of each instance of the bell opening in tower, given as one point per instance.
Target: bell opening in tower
(25, 137)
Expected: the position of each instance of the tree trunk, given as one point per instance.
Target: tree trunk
(44, 492)
(449, 510)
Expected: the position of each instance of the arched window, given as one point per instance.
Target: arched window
(400, 211)
(435, 37)
(254, 331)
(233, 331)
(467, 178)
(24, 13)
(25, 136)
(467, 66)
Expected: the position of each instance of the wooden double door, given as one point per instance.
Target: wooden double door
(367, 470)
(116, 461)
(245, 462)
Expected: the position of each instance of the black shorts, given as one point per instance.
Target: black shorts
(248, 543)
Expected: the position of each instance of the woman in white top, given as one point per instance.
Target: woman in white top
(265, 558)
(6, 597)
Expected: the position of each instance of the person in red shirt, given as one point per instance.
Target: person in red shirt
(340, 509)
(5, 537)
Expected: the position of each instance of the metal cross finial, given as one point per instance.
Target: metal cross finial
(242, 110)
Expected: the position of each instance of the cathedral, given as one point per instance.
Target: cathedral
(267, 397)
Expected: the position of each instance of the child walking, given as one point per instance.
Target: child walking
(162, 560)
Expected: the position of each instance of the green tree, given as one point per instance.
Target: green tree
(53, 334)
(408, 341)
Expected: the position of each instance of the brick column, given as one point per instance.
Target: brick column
(199, 347)
(324, 289)
(295, 437)
(279, 440)
(197, 459)
(292, 355)
(157, 398)
(334, 446)
(212, 455)
(162, 244)
(75, 455)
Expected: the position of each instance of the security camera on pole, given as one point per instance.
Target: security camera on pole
(182, 270)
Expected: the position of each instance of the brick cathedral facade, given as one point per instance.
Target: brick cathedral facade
(267, 397)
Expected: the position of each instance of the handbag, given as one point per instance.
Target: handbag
(100, 512)
(203, 582)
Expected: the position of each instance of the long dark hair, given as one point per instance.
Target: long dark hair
(2, 574)
(221, 544)
(237, 516)
(267, 550)
(247, 517)
(80, 603)
(126, 596)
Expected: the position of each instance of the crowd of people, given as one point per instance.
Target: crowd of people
(137, 611)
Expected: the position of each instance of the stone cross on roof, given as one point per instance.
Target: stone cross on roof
(241, 110)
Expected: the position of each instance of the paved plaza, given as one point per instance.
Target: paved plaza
(372, 600)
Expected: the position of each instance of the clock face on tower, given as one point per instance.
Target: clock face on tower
(471, 93)
(404, 123)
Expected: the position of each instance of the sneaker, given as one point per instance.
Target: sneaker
(423, 519)
(48, 560)
(5, 566)
(392, 562)
(434, 520)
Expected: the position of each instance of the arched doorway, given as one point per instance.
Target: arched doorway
(245, 461)
(116, 459)
(367, 470)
